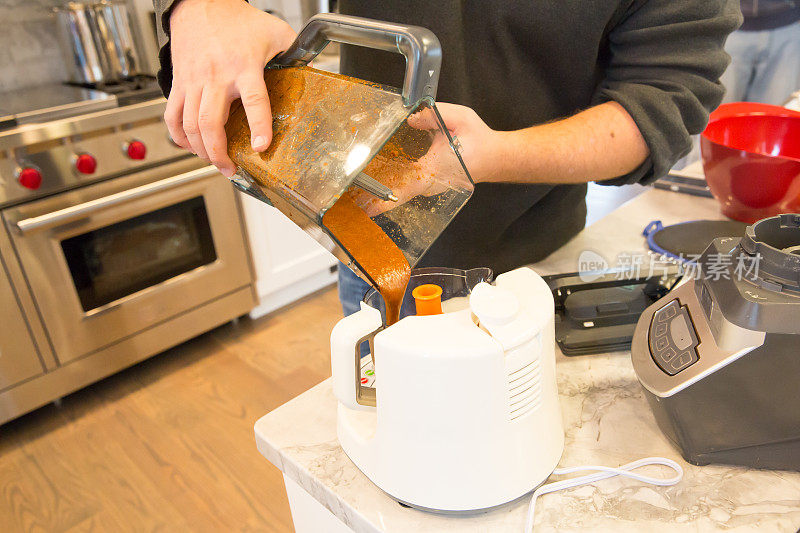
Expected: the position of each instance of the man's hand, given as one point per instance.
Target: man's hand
(479, 144)
(600, 143)
(219, 50)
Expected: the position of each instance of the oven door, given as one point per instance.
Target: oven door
(107, 261)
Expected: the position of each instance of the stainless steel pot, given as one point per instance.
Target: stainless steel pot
(76, 33)
(97, 41)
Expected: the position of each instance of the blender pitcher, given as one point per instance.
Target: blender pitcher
(333, 135)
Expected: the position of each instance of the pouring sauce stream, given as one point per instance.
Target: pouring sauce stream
(377, 254)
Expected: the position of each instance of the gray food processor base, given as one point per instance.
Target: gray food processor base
(744, 414)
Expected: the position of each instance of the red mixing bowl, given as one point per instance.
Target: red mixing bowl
(751, 159)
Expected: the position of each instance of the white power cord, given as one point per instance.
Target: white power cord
(603, 472)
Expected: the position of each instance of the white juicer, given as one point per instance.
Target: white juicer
(464, 414)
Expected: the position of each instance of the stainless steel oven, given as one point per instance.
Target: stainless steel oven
(107, 261)
(115, 244)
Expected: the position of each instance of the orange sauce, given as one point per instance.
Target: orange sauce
(377, 254)
(293, 94)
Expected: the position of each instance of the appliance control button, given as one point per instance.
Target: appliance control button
(668, 311)
(85, 164)
(30, 178)
(683, 360)
(667, 354)
(671, 333)
(679, 331)
(685, 357)
(661, 344)
(136, 150)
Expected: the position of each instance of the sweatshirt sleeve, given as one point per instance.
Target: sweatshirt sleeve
(163, 9)
(665, 61)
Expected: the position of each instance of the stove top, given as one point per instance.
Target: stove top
(50, 157)
(50, 102)
(34, 105)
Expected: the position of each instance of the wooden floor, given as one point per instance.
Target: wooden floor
(168, 444)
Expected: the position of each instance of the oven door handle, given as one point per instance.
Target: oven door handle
(76, 212)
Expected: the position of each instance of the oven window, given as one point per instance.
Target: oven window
(112, 262)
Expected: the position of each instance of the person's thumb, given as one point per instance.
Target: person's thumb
(454, 116)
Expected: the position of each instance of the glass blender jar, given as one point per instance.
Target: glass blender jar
(388, 150)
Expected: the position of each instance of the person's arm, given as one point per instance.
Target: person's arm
(214, 51)
(600, 143)
(660, 83)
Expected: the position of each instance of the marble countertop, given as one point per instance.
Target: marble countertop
(606, 419)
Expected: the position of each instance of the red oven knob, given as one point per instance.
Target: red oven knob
(30, 178)
(136, 150)
(85, 164)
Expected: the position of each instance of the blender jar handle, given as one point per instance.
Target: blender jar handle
(419, 46)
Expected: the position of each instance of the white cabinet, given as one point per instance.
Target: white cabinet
(288, 263)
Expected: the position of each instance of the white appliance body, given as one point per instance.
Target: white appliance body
(467, 416)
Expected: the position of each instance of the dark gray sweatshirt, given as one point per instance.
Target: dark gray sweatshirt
(523, 62)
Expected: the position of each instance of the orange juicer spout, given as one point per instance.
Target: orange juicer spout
(428, 299)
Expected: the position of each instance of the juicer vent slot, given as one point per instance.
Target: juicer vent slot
(524, 389)
(522, 411)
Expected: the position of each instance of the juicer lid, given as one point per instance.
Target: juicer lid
(456, 335)
(497, 310)
(508, 319)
